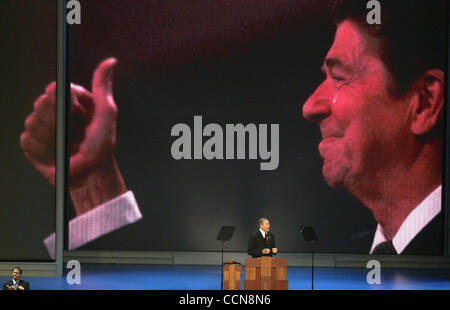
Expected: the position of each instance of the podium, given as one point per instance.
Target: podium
(265, 273)
(232, 276)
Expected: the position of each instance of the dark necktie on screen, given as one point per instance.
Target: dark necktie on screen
(384, 248)
(267, 239)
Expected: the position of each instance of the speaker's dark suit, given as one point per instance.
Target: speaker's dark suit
(23, 283)
(428, 241)
(256, 243)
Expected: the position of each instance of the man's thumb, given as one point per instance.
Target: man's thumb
(102, 81)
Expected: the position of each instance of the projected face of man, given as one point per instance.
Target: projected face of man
(362, 126)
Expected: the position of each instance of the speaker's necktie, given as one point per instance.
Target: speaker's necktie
(384, 248)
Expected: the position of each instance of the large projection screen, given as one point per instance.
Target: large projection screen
(190, 115)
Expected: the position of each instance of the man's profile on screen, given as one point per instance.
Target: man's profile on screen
(380, 112)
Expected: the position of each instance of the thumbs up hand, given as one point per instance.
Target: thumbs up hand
(94, 174)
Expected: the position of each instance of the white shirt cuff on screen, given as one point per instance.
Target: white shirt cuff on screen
(105, 218)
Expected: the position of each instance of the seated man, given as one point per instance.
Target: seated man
(15, 283)
(262, 242)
